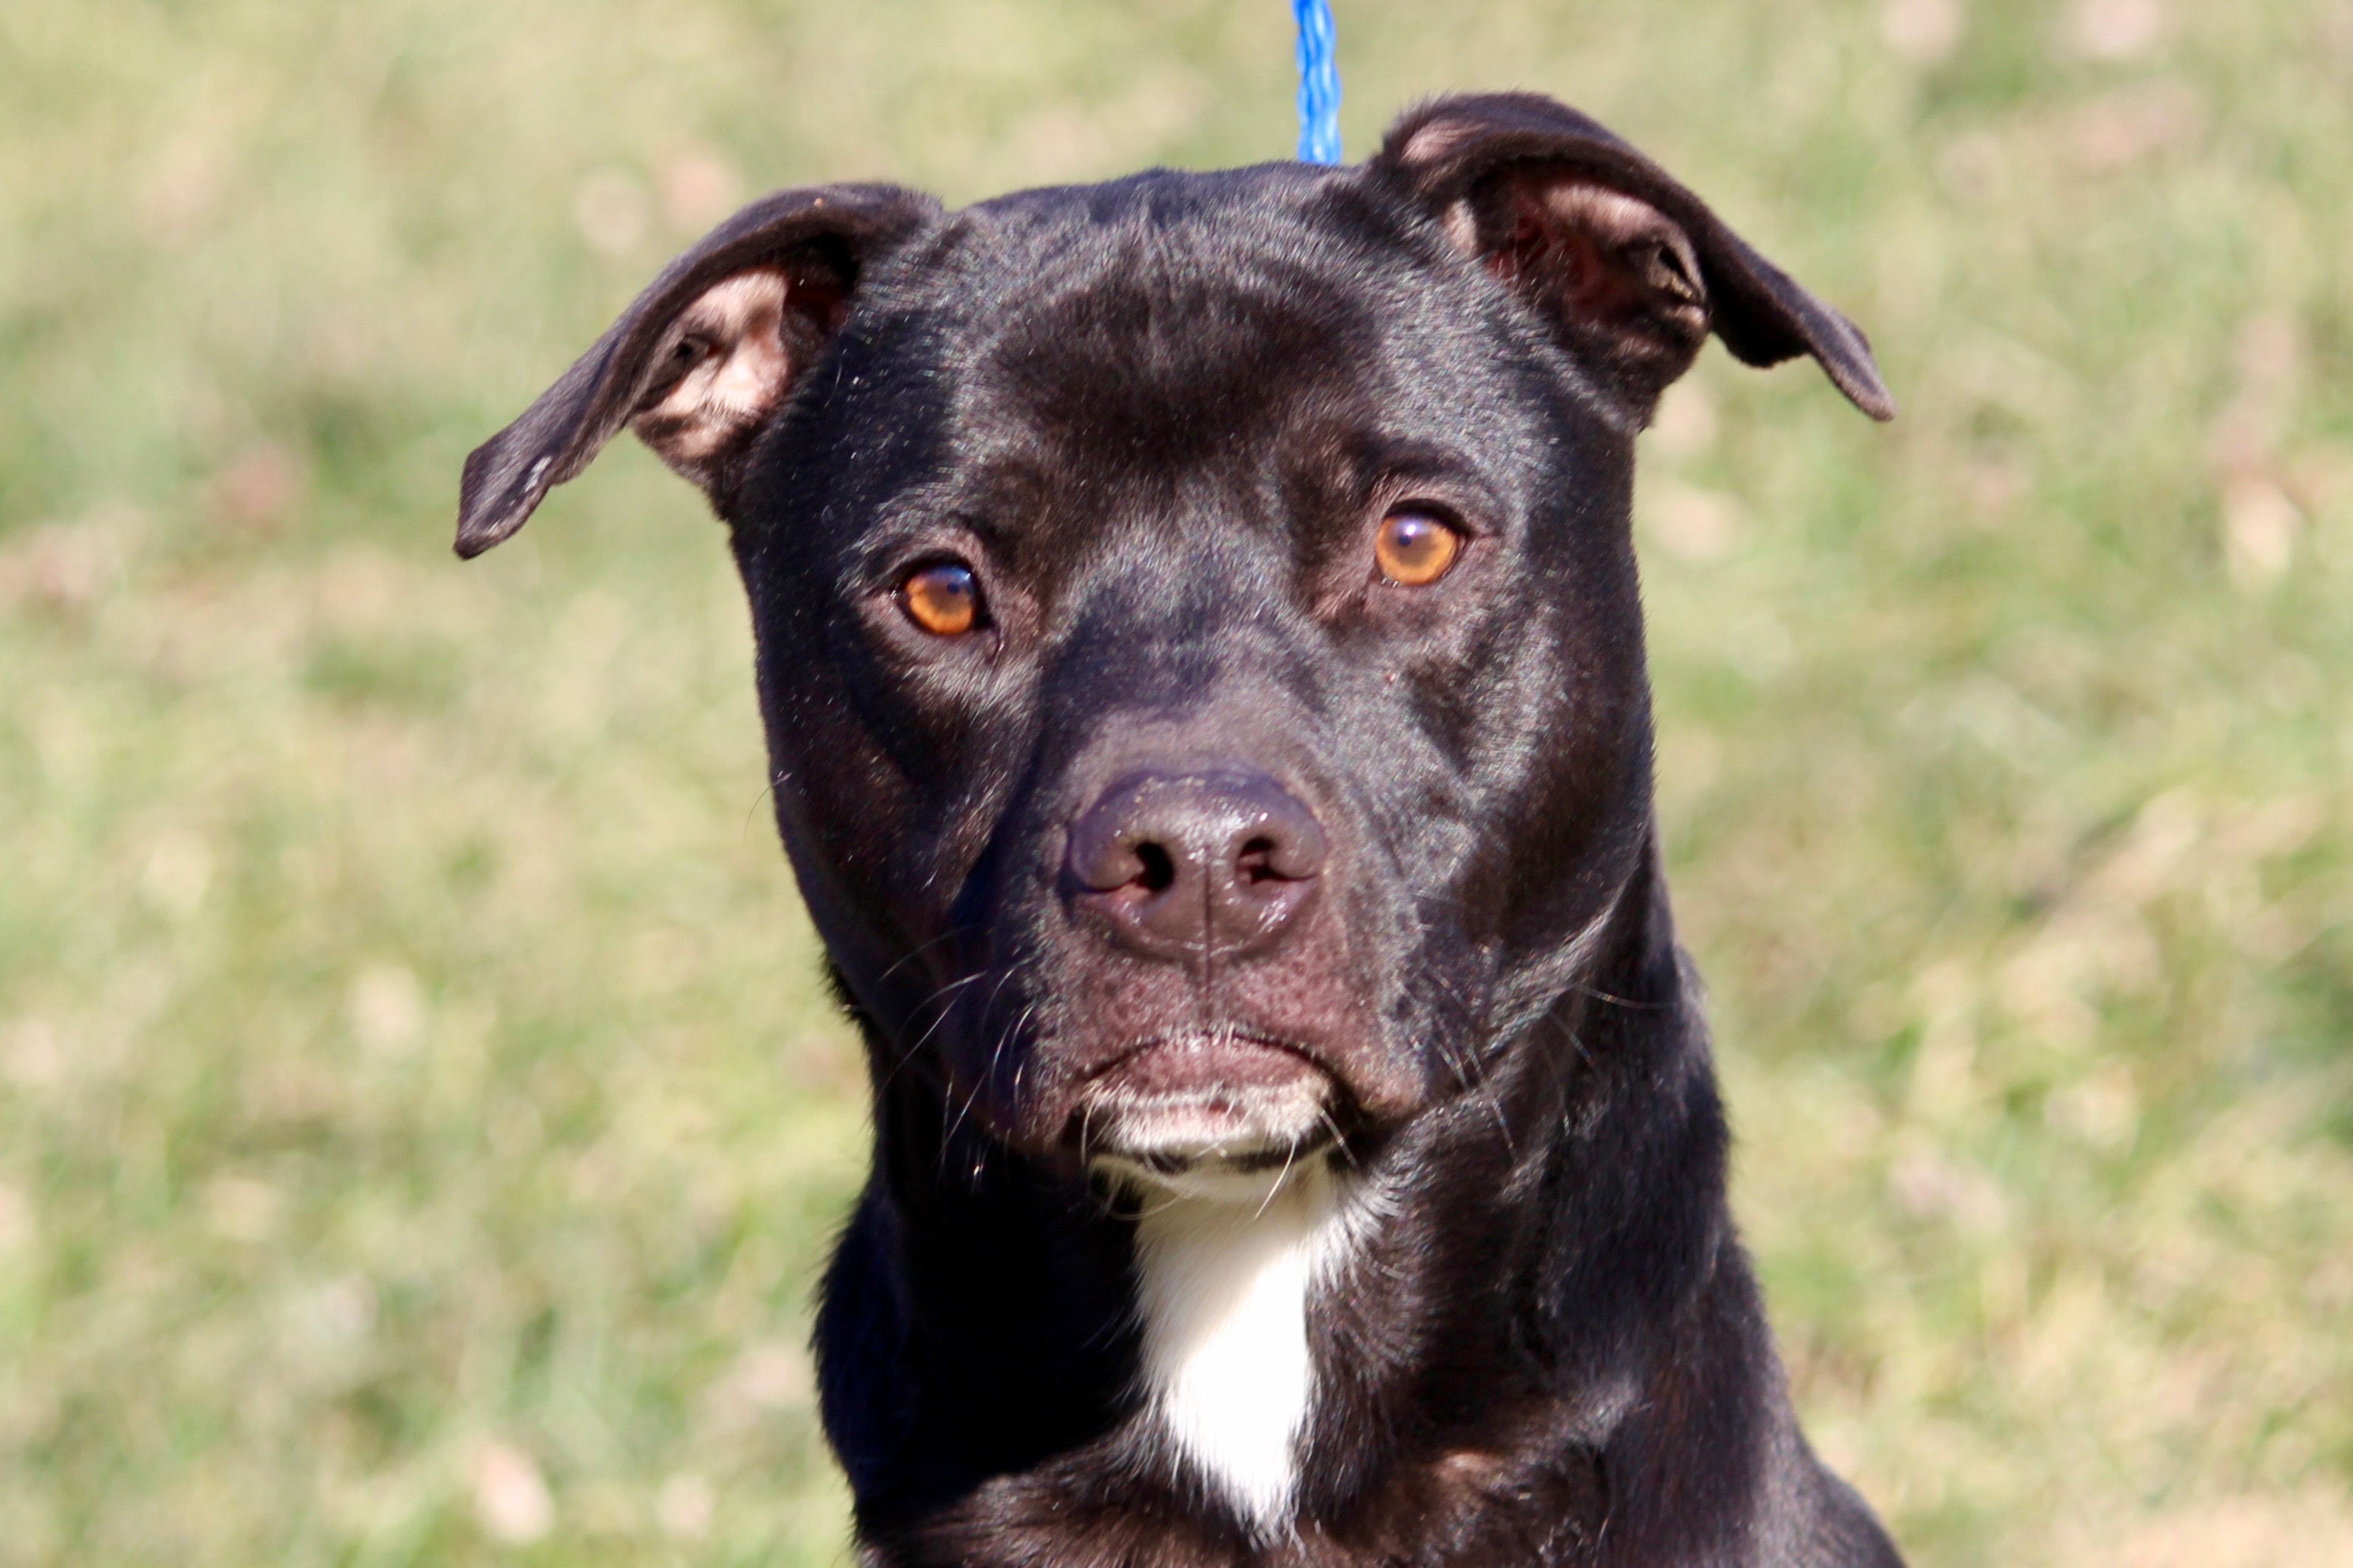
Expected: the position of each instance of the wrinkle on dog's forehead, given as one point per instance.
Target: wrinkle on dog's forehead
(1221, 288)
(1109, 346)
(1146, 364)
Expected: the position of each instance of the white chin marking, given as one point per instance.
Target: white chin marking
(1224, 1275)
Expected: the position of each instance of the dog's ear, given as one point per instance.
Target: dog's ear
(1627, 266)
(702, 359)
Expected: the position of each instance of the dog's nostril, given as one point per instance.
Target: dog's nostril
(1256, 862)
(1159, 872)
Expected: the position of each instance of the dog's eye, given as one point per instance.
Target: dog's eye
(943, 597)
(1414, 548)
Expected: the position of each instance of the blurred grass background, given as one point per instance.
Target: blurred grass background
(419, 1125)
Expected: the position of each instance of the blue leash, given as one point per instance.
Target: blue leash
(1319, 84)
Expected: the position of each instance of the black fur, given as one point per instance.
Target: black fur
(1160, 418)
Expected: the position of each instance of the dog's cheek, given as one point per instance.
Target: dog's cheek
(837, 799)
(1408, 804)
(881, 758)
(1413, 993)
(1540, 771)
(1582, 806)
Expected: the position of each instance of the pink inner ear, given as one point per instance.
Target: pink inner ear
(738, 367)
(1596, 255)
(1611, 273)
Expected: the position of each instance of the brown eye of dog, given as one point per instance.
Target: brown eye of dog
(1414, 548)
(942, 597)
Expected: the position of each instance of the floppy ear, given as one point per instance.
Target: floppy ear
(702, 359)
(1627, 267)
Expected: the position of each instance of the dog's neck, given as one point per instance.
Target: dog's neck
(1224, 1285)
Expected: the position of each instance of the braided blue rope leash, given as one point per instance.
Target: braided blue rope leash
(1319, 84)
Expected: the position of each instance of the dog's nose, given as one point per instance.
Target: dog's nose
(1185, 863)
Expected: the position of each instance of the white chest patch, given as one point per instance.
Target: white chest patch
(1223, 1291)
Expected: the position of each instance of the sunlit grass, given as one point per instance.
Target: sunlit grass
(419, 1120)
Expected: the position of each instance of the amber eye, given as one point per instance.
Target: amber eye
(942, 598)
(1414, 548)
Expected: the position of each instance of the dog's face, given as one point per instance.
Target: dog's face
(1222, 580)
(1199, 632)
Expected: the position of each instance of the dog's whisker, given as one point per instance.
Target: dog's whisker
(948, 1131)
(1282, 1176)
(918, 951)
(767, 792)
(910, 1053)
(996, 1053)
(1339, 1141)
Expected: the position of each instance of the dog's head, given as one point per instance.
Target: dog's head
(1199, 632)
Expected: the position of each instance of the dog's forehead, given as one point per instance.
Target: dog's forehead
(1209, 293)
(1173, 323)
(1204, 212)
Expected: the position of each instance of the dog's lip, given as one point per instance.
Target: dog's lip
(1233, 1100)
(1163, 1060)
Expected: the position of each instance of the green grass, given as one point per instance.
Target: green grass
(415, 1089)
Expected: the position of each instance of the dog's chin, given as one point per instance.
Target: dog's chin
(1223, 1118)
(1208, 1152)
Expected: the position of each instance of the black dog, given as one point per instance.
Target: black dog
(1202, 663)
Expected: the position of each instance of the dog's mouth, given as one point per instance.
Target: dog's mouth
(1182, 1108)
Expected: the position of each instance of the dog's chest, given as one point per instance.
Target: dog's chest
(1224, 1292)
